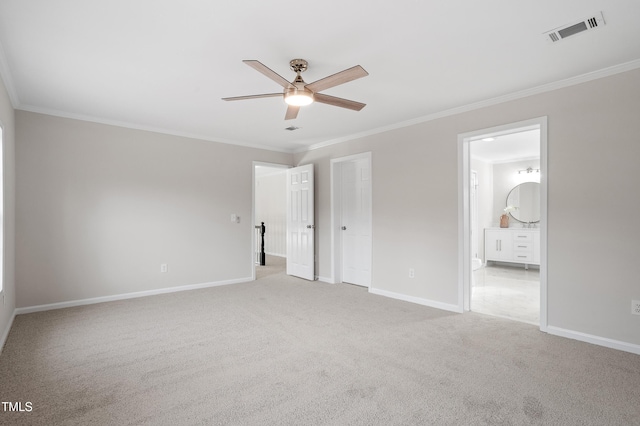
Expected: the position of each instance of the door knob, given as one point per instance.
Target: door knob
(344, 228)
(310, 226)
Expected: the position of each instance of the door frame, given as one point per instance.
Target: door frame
(253, 208)
(464, 213)
(473, 193)
(336, 215)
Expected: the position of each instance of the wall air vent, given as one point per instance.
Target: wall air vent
(590, 23)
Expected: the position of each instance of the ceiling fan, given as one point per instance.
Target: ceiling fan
(298, 93)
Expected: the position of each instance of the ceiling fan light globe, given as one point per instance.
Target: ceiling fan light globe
(298, 97)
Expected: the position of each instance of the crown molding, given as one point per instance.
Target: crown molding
(572, 81)
(5, 74)
(128, 125)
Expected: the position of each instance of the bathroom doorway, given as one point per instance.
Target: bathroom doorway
(503, 268)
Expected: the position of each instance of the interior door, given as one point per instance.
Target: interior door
(300, 222)
(356, 222)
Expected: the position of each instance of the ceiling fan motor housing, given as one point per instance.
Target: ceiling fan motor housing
(298, 65)
(298, 95)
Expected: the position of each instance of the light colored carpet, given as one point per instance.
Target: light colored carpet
(272, 265)
(283, 351)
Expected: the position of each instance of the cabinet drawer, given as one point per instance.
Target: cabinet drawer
(522, 256)
(522, 236)
(524, 246)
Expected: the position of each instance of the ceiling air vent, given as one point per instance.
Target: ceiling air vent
(291, 128)
(590, 23)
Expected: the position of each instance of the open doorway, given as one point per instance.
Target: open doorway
(269, 209)
(503, 265)
(505, 220)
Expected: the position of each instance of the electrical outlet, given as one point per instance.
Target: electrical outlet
(412, 273)
(635, 307)
(164, 268)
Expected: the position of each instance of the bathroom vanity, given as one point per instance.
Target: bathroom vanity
(517, 245)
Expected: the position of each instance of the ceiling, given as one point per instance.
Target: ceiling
(164, 65)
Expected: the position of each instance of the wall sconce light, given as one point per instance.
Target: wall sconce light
(529, 170)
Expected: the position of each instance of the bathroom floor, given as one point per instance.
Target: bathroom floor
(507, 291)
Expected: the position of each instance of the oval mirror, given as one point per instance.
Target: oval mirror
(525, 198)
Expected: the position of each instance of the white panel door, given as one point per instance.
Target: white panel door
(300, 224)
(356, 222)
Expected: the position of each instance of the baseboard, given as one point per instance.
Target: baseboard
(275, 254)
(596, 340)
(72, 303)
(418, 300)
(324, 279)
(5, 334)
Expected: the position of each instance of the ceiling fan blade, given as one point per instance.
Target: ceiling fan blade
(342, 77)
(339, 102)
(259, 66)
(292, 112)
(240, 98)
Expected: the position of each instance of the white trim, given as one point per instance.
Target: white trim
(544, 191)
(583, 78)
(276, 254)
(417, 300)
(5, 334)
(325, 279)
(595, 340)
(82, 302)
(464, 243)
(336, 209)
(464, 238)
(572, 81)
(154, 129)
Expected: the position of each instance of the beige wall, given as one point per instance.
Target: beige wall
(8, 167)
(101, 207)
(593, 153)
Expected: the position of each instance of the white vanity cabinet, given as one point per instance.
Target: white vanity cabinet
(498, 245)
(512, 245)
